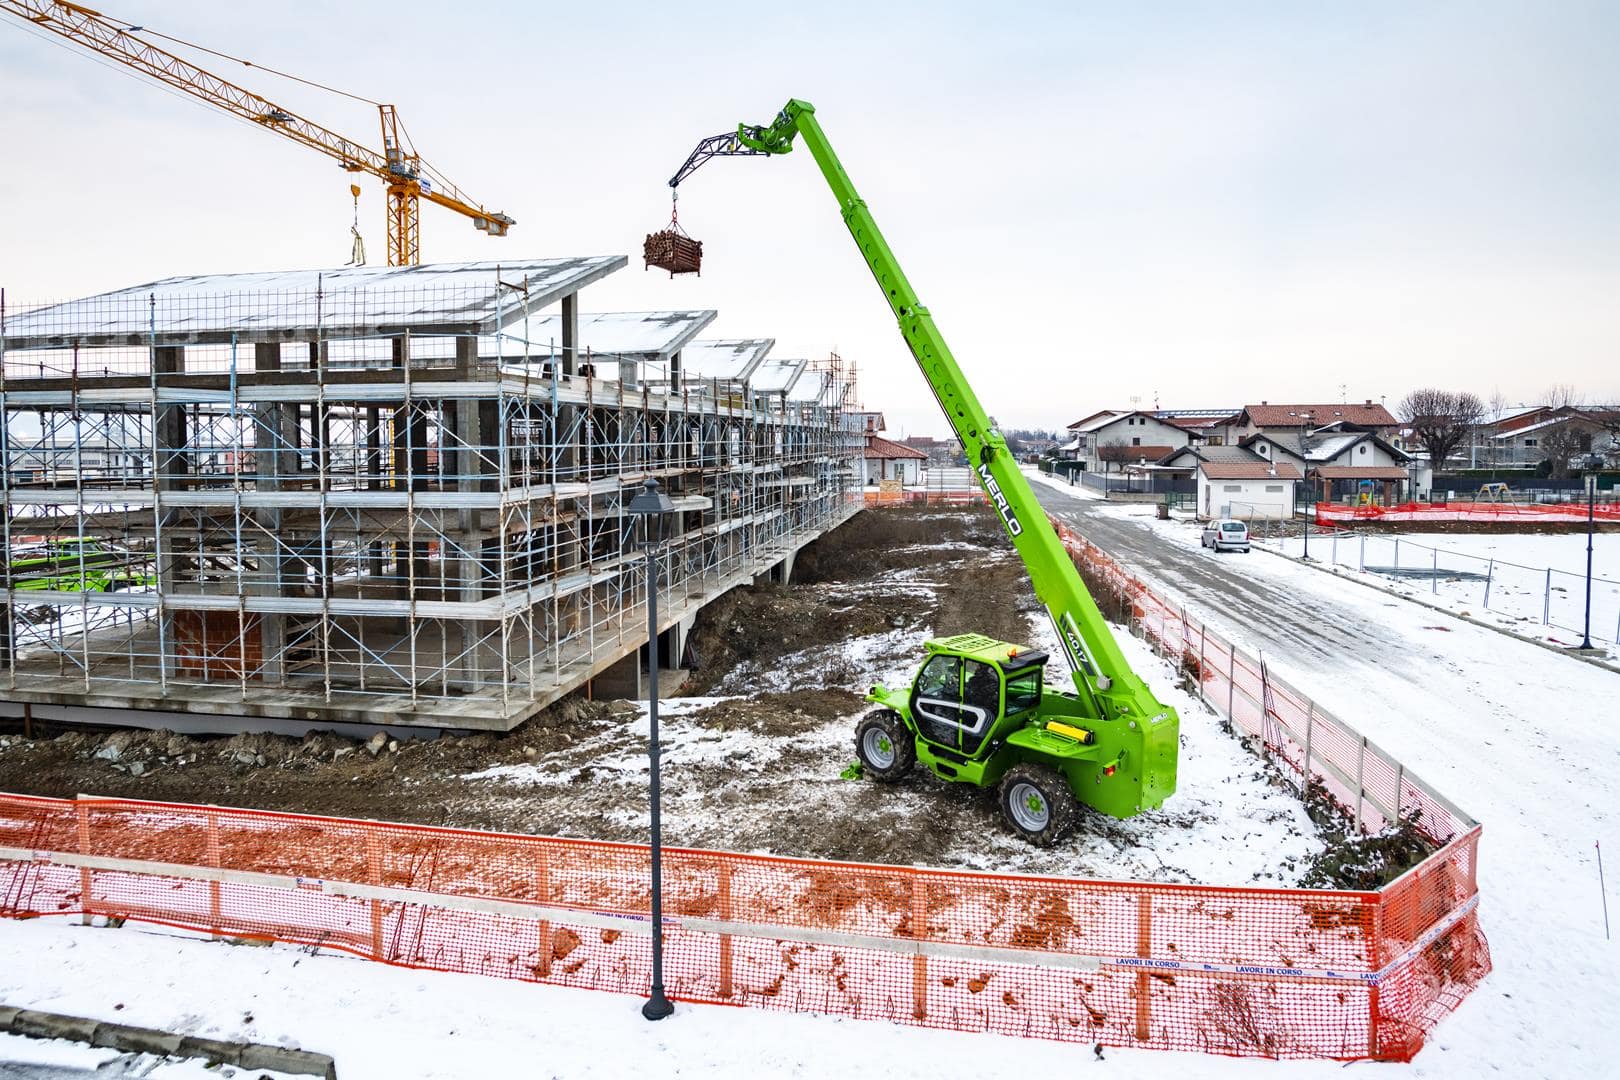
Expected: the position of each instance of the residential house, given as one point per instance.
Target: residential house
(1203, 425)
(1585, 436)
(1342, 464)
(1135, 436)
(888, 460)
(1246, 489)
(942, 452)
(1284, 419)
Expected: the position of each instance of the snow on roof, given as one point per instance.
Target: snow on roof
(1553, 421)
(776, 375)
(809, 388)
(349, 301)
(1106, 417)
(732, 358)
(1080, 424)
(650, 334)
(1250, 470)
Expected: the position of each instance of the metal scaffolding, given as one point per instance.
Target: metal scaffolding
(380, 495)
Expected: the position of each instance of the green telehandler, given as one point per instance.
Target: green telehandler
(978, 711)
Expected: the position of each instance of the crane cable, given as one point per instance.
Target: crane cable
(131, 28)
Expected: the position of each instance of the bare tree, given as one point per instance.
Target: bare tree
(1563, 396)
(1113, 452)
(1608, 418)
(1559, 442)
(1497, 404)
(1442, 420)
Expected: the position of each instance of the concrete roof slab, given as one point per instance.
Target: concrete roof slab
(347, 302)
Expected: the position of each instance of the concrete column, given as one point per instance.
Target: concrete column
(568, 362)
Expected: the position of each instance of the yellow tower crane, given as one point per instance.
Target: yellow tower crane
(408, 177)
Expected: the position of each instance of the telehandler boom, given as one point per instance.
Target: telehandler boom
(977, 710)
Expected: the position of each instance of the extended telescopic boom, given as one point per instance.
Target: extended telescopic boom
(1100, 670)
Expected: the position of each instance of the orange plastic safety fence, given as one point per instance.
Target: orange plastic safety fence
(1254, 972)
(1280, 973)
(1429, 941)
(1335, 514)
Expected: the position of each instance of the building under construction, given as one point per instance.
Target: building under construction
(384, 495)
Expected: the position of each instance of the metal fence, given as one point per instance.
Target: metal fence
(1535, 594)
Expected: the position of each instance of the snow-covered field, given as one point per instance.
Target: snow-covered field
(1534, 585)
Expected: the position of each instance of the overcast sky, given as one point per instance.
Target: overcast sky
(1103, 204)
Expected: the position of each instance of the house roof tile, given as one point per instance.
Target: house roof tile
(1293, 415)
(1250, 470)
(879, 447)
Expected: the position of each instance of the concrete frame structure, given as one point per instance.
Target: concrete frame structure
(379, 495)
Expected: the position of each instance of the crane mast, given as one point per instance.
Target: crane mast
(408, 180)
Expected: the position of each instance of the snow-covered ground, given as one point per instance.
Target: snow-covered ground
(383, 1023)
(1534, 585)
(1079, 491)
(1521, 738)
(1524, 597)
(59, 1059)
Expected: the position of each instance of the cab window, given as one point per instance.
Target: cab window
(1024, 690)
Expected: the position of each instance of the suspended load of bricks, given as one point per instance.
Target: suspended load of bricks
(671, 249)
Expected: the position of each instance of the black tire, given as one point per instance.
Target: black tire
(885, 748)
(1037, 804)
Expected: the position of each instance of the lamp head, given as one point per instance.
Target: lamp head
(654, 508)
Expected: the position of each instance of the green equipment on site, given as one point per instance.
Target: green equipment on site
(977, 711)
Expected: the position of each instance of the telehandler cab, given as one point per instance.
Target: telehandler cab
(978, 711)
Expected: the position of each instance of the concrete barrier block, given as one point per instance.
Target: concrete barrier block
(221, 1050)
(137, 1040)
(44, 1025)
(280, 1059)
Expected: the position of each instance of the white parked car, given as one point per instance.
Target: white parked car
(1226, 535)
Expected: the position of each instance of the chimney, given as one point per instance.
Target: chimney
(1369, 402)
(1265, 403)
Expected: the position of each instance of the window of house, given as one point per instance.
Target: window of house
(1529, 442)
(1231, 488)
(1136, 441)
(1361, 449)
(1274, 489)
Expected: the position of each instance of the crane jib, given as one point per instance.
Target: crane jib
(993, 489)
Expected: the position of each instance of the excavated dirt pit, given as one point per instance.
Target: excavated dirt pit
(754, 747)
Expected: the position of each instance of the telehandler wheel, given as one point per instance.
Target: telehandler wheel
(884, 746)
(1037, 803)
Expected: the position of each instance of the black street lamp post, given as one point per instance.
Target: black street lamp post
(654, 507)
(1591, 508)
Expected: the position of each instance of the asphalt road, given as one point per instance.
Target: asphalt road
(1229, 594)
